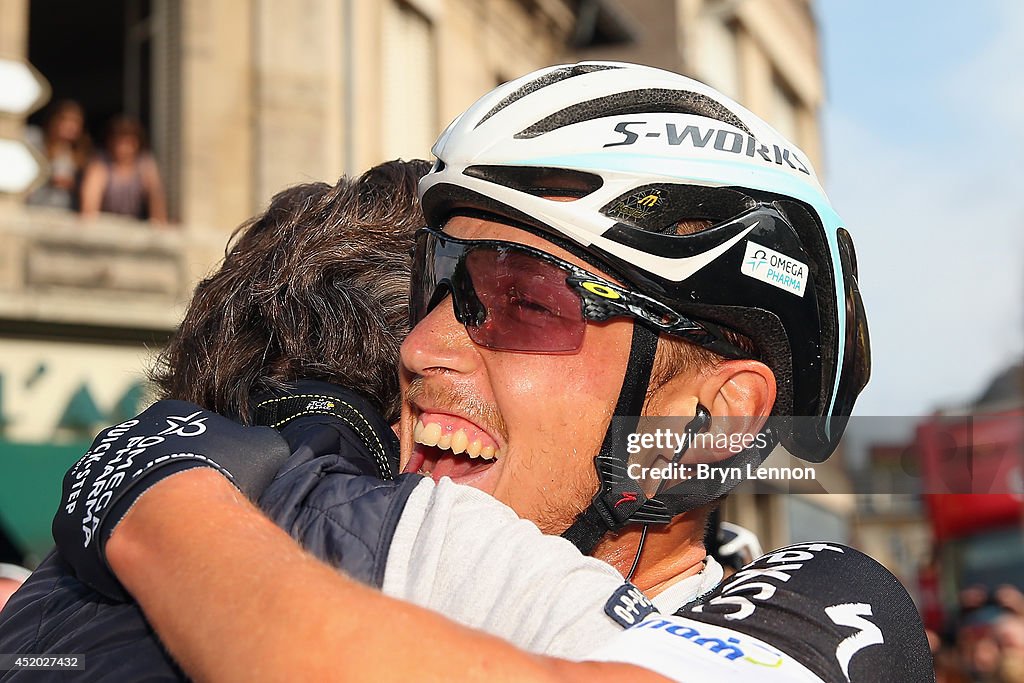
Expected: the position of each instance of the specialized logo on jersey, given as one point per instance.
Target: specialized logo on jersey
(734, 647)
(867, 634)
(775, 268)
(760, 579)
(184, 426)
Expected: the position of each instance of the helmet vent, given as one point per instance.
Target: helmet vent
(547, 79)
(647, 101)
(539, 181)
(659, 207)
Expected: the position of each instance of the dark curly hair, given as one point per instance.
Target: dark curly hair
(317, 287)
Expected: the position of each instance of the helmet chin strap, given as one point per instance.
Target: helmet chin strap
(620, 500)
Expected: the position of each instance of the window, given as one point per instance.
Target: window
(784, 111)
(409, 82)
(719, 57)
(114, 57)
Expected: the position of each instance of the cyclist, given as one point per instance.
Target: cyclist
(607, 241)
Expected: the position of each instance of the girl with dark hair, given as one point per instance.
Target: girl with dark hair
(124, 178)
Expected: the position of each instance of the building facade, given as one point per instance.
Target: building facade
(763, 53)
(242, 98)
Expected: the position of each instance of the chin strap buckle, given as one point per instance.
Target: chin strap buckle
(621, 500)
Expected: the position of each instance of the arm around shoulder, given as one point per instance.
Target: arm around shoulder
(270, 611)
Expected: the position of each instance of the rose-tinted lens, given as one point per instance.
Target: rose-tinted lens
(529, 305)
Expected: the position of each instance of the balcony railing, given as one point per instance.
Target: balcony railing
(108, 272)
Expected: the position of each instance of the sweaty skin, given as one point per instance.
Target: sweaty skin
(288, 616)
(548, 414)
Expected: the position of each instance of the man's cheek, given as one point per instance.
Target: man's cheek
(525, 384)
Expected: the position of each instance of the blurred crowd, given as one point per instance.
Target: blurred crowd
(986, 645)
(121, 177)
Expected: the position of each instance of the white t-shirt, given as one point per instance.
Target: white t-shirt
(536, 591)
(808, 613)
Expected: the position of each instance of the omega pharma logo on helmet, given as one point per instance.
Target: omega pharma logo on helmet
(768, 265)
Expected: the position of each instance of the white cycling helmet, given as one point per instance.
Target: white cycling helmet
(641, 149)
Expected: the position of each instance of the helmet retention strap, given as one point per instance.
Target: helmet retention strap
(602, 515)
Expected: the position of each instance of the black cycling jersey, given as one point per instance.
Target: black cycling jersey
(807, 613)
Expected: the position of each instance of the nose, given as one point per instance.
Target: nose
(439, 344)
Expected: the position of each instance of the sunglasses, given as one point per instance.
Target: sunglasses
(512, 297)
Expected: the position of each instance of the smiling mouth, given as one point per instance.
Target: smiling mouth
(450, 446)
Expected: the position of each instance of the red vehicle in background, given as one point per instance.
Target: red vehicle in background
(973, 484)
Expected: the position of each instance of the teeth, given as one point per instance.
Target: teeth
(430, 434)
(458, 441)
(445, 441)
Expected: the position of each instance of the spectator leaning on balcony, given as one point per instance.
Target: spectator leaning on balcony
(66, 145)
(124, 178)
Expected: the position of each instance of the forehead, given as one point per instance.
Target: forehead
(466, 227)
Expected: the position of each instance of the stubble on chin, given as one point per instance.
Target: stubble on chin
(557, 512)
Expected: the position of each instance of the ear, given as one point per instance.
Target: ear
(739, 394)
(743, 390)
(737, 388)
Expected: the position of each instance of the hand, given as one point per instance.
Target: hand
(127, 459)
